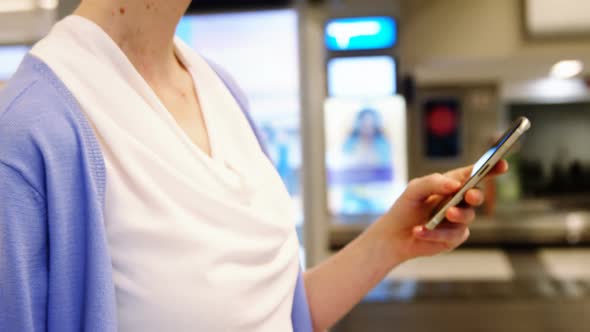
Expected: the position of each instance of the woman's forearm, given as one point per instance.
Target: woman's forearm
(340, 282)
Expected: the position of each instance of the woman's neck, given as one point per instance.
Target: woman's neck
(143, 29)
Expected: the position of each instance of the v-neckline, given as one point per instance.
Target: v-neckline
(216, 161)
(215, 158)
(207, 117)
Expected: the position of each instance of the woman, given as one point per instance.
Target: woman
(367, 153)
(367, 145)
(135, 197)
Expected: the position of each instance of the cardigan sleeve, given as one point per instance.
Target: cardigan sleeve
(23, 254)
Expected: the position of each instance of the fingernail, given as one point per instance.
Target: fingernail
(421, 231)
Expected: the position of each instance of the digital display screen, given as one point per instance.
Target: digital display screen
(10, 59)
(366, 154)
(361, 33)
(364, 77)
(442, 120)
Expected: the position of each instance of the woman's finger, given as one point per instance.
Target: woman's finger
(460, 174)
(464, 173)
(460, 216)
(450, 235)
(436, 184)
(500, 168)
(474, 197)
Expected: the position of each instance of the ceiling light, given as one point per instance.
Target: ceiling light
(567, 68)
(47, 4)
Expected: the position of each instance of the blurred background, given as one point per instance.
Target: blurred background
(356, 97)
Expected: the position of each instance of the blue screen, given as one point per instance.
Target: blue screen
(488, 155)
(361, 33)
(483, 160)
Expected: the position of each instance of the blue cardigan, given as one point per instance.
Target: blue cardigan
(55, 268)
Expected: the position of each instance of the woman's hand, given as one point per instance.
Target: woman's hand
(403, 225)
(397, 236)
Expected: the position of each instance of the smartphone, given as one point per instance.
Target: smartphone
(481, 168)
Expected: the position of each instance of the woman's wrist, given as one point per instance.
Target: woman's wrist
(386, 246)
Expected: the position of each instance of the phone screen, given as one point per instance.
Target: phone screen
(488, 154)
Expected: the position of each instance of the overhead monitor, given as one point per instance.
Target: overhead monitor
(361, 33)
(367, 76)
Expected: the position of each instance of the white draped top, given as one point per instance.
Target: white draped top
(198, 243)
